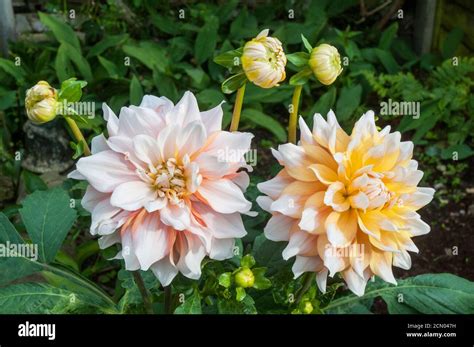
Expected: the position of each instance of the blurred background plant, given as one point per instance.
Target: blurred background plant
(125, 49)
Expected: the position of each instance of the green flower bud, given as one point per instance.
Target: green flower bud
(245, 278)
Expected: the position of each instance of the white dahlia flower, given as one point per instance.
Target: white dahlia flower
(166, 185)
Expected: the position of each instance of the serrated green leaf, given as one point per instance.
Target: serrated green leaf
(191, 305)
(246, 306)
(225, 279)
(12, 268)
(240, 294)
(427, 294)
(48, 217)
(36, 298)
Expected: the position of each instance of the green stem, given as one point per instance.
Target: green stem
(294, 114)
(143, 291)
(307, 282)
(168, 298)
(239, 99)
(78, 135)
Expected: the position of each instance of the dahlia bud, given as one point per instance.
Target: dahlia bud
(263, 60)
(41, 103)
(325, 63)
(245, 278)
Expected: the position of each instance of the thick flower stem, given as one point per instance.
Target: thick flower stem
(239, 99)
(294, 114)
(143, 291)
(78, 135)
(168, 298)
(307, 282)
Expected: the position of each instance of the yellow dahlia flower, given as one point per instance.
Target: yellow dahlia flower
(41, 102)
(346, 203)
(263, 60)
(325, 63)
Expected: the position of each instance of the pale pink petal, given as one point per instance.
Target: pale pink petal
(99, 144)
(306, 264)
(321, 279)
(224, 196)
(150, 241)
(109, 240)
(118, 170)
(275, 186)
(147, 150)
(211, 166)
(132, 195)
(185, 111)
(167, 141)
(278, 228)
(301, 242)
(165, 271)
(241, 179)
(222, 249)
(191, 139)
(221, 226)
(177, 217)
(265, 203)
(128, 252)
(212, 119)
(191, 256)
(111, 119)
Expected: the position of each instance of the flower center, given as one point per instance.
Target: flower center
(377, 192)
(275, 57)
(169, 181)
